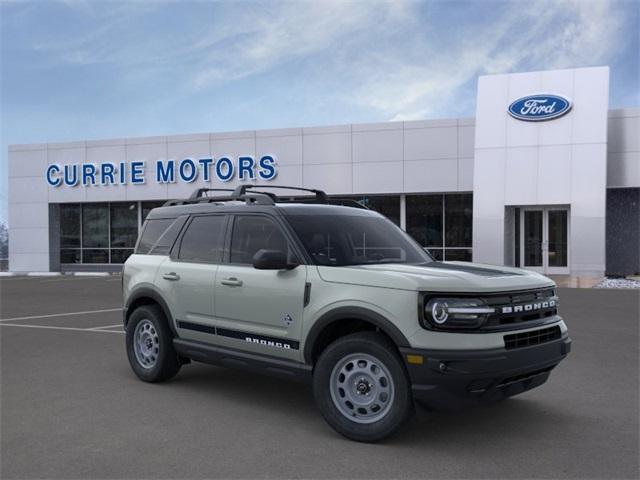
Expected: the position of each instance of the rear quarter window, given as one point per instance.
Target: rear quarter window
(158, 235)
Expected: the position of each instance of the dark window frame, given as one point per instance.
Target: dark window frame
(143, 230)
(442, 248)
(292, 243)
(177, 244)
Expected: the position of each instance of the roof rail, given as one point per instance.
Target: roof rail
(200, 192)
(250, 196)
(321, 196)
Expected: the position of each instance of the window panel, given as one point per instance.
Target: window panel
(387, 205)
(458, 216)
(148, 206)
(95, 225)
(252, 233)
(70, 225)
(457, 254)
(70, 255)
(436, 253)
(340, 240)
(124, 225)
(168, 238)
(151, 233)
(120, 255)
(95, 256)
(425, 219)
(203, 240)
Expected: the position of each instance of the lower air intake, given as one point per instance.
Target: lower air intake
(533, 337)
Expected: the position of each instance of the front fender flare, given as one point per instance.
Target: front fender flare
(357, 313)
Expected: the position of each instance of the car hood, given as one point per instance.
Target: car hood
(437, 277)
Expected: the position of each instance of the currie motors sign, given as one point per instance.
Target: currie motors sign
(187, 170)
(540, 107)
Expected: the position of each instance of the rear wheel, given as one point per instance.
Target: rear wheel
(150, 345)
(361, 387)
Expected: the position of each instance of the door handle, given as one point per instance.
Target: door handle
(231, 282)
(173, 276)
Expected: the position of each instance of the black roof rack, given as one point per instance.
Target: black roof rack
(321, 196)
(248, 194)
(200, 192)
(241, 193)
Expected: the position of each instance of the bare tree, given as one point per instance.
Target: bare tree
(4, 241)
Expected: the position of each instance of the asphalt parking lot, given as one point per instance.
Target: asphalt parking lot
(71, 407)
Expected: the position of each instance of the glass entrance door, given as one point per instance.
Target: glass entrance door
(544, 239)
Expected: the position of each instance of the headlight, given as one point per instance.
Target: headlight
(456, 312)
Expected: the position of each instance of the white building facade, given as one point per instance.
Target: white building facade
(545, 177)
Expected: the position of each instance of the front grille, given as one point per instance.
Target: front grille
(501, 320)
(533, 337)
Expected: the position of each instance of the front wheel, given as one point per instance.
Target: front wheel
(150, 345)
(361, 387)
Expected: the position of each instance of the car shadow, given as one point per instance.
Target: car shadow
(528, 416)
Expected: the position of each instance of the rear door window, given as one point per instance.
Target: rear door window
(203, 240)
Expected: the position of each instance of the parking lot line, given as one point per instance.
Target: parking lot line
(72, 279)
(88, 312)
(107, 326)
(49, 327)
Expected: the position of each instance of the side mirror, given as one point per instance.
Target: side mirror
(272, 260)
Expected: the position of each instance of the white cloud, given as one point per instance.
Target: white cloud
(263, 40)
(539, 35)
(390, 57)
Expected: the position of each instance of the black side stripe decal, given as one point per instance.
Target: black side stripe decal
(262, 339)
(268, 341)
(197, 327)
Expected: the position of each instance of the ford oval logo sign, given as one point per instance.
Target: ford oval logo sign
(536, 108)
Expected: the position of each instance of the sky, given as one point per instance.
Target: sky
(78, 70)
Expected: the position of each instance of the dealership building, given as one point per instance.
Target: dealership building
(545, 177)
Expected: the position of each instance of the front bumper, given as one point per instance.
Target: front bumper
(453, 379)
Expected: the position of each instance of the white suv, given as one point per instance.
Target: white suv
(338, 296)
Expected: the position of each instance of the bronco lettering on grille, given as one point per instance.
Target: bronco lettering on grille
(529, 307)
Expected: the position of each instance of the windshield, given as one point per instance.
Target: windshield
(343, 240)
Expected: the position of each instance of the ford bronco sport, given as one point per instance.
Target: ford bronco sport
(338, 296)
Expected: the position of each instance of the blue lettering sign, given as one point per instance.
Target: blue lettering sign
(224, 169)
(245, 166)
(51, 180)
(206, 165)
(267, 168)
(187, 170)
(106, 173)
(71, 175)
(137, 173)
(165, 173)
(88, 174)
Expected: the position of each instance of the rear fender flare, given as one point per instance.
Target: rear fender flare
(146, 292)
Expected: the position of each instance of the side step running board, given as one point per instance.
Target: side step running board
(226, 357)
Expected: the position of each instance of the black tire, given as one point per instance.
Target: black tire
(381, 349)
(167, 363)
